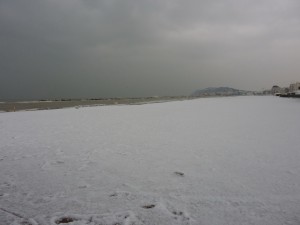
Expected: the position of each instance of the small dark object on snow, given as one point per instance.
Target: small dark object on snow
(179, 173)
(148, 206)
(64, 220)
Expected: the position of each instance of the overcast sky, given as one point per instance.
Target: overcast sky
(123, 48)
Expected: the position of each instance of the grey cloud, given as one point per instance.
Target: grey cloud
(90, 48)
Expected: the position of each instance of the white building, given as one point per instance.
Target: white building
(294, 87)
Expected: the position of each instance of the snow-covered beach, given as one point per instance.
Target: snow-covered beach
(214, 161)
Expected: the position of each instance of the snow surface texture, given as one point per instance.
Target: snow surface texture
(214, 161)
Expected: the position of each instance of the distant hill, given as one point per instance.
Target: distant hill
(218, 91)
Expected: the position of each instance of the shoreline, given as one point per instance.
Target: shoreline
(59, 104)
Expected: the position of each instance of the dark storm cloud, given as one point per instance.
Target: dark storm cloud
(90, 48)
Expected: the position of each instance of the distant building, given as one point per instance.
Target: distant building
(294, 87)
(293, 91)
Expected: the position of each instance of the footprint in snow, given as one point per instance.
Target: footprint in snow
(181, 216)
(83, 185)
(123, 195)
(48, 165)
(178, 216)
(180, 174)
(150, 206)
(114, 219)
(65, 220)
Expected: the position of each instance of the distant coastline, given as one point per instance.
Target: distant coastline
(45, 104)
(12, 106)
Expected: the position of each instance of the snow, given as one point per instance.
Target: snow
(232, 160)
